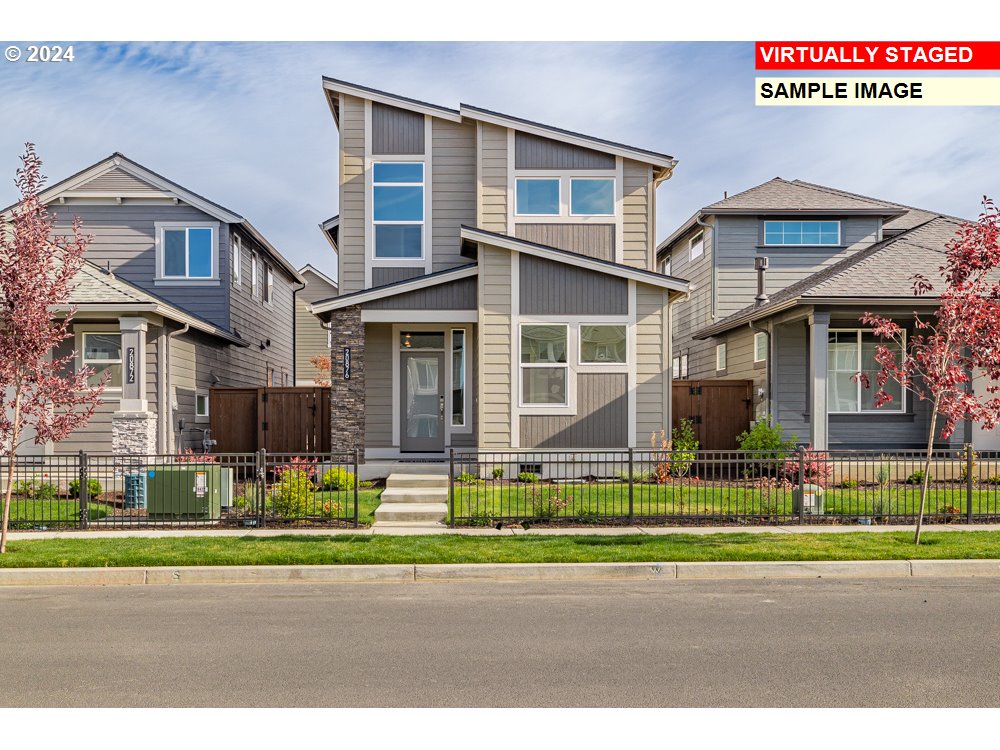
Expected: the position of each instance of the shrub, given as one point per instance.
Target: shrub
(292, 493)
(527, 477)
(763, 437)
(547, 504)
(467, 478)
(93, 488)
(366, 484)
(815, 469)
(338, 479)
(34, 489)
(916, 477)
(498, 472)
(995, 479)
(683, 447)
(883, 475)
(190, 457)
(848, 484)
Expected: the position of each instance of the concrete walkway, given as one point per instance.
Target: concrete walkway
(489, 531)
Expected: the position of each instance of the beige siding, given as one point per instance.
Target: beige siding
(650, 407)
(495, 348)
(493, 195)
(637, 228)
(310, 336)
(453, 189)
(378, 385)
(352, 195)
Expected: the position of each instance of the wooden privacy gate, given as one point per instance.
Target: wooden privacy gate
(279, 420)
(719, 410)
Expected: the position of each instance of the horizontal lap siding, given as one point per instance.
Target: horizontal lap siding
(495, 348)
(396, 131)
(550, 288)
(592, 240)
(352, 195)
(455, 295)
(694, 311)
(378, 385)
(453, 189)
(493, 163)
(194, 358)
(390, 274)
(650, 408)
(536, 152)
(601, 420)
(311, 337)
(113, 181)
(637, 221)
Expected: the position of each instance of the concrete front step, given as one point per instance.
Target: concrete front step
(411, 495)
(417, 481)
(431, 513)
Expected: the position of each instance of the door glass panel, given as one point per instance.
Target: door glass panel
(422, 407)
(414, 340)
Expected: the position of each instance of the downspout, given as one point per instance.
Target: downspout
(295, 338)
(162, 406)
(168, 389)
(760, 266)
(715, 263)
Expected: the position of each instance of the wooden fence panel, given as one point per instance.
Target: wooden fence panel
(719, 410)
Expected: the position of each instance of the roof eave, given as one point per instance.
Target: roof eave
(393, 100)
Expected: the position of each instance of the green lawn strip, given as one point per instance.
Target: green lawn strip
(60, 512)
(358, 549)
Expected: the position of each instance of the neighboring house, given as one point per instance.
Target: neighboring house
(830, 257)
(497, 281)
(179, 295)
(312, 336)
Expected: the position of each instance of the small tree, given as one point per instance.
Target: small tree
(961, 341)
(321, 363)
(41, 392)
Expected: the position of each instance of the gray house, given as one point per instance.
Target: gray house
(497, 283)
(780, 275)
(179, 295)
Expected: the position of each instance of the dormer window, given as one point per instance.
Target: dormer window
(398, 209)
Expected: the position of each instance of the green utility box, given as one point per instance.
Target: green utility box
(187, 491)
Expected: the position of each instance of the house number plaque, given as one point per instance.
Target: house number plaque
(130, 365)
(347, 363)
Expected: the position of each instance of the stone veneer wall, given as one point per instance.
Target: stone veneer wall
(347, 397)
(133, 433)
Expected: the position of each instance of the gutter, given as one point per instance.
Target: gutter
(295, 325)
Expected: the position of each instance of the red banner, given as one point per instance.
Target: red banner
(878, 55)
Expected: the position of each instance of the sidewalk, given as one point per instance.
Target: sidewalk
(534, 531)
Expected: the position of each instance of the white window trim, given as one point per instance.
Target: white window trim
(720, 357)
(79, 331)
(859, 410)
(675, 368)
(202, 418)
(699, 240)
(840, 231)
(465, 379)
(565, 178)
(377, 260)
(756, 336)
(570, 374)
(684, 366)
(237, 261)
(604, 366)
(161, 279)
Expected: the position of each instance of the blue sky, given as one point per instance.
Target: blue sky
(246, 125)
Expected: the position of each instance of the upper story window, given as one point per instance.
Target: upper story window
(186, 252)
(254, 275)
(564, 196)
(538, 196)
(801, 232)
(665, 265)
(696, 246)
(237, 253)
(592, 196)
(398, 209)
(268, 283)
(760, 347)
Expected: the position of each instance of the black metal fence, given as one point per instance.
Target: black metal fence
(721, 487)
(257, 490)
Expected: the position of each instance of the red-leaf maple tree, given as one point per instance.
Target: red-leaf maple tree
(957, 345)
(321, 363)
(44, 397)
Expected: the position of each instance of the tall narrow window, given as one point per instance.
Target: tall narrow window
(237, 253)
(697, 246)
(760, 347)
(254, 276)
(458, 377)
(398, 209)
(720, 356)
(268, 283)
(851, 352)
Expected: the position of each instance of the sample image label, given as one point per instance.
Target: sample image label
(854, 91)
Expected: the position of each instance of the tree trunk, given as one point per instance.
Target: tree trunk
(11, 466)
(927, 469)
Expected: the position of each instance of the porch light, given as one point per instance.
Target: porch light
(406, 340)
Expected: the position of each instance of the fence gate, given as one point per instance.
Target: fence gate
(280, 420)
(719, 409)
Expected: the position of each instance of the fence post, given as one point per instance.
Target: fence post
(451, 487)
(970, 466)
(84, 491)
(261, 488)
(802, 484)
(631, 484)
(356, 452)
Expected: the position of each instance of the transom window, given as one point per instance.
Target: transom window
(187, 253)
(801, 232)
(398, 209)
(850, 352)
(102, 353)
(544, 364)
(564, 196)
(603, 344)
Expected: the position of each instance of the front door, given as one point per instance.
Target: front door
(422, 402)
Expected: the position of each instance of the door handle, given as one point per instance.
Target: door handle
(441, 406)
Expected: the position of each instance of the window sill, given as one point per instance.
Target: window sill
(867, 416)
(802, 247)
(542, 410)
(187, 282)
(409, 262)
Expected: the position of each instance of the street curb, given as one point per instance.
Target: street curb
(620, 571)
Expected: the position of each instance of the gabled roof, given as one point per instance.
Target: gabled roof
(119, 163)
(783, 196)
(309, 268)
(331, 230)
(664, 162)
(574, 259)
(882, 272)
(394, 288)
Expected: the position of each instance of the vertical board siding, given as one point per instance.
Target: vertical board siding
(378, 385)
(550, 288)
(493, 158)
(495, 345)
(352, 195)
(601, 420)
(115, 180)
(382, 275)
(453, 189)
(396, 131)
(592, 240)
(454, 295)
(536, 152)
(637, 229)
(651, 411)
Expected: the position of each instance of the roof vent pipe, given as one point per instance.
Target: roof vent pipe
(760, 264)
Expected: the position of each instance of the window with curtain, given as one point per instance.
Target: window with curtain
(851, 352)
(544, 365)
(603, 344)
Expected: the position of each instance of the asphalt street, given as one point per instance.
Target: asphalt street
(850, 643)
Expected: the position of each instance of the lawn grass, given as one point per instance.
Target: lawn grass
(27, 513)
(365, 549)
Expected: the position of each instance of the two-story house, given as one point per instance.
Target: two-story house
(179, 295)
(497, 283)
(781, 274)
